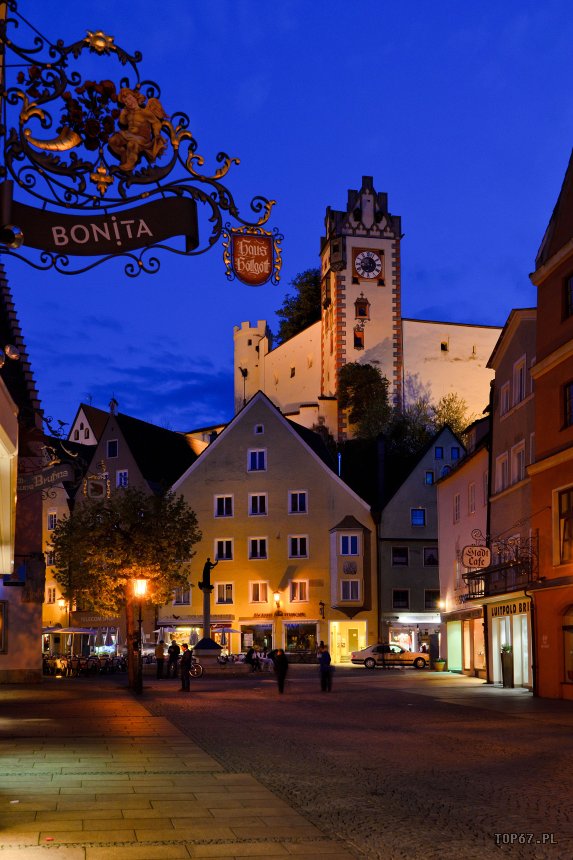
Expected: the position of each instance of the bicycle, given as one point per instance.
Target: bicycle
(196, 669)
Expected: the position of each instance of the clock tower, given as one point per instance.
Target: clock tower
(361, 301)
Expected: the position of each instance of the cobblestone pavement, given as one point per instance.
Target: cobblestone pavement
(400, 764)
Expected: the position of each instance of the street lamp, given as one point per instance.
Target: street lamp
(65, 604)
(139, 592)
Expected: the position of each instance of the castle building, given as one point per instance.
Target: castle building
(361, 321)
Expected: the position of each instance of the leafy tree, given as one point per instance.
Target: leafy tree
(451, 409)
(106, 543)
(363, 390)
(301, 309)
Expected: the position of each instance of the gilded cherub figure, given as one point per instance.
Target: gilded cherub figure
(140, 129)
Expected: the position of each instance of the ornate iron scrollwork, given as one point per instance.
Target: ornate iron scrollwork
(81, 146)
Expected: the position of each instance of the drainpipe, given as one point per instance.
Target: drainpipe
(533, 644)
(488, 672)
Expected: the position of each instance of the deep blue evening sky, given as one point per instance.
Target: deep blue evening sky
(462, 112)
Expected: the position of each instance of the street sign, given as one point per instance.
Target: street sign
(476, 557)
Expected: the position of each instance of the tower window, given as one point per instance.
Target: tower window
(444, 346)
(358, 338)
(362, 308)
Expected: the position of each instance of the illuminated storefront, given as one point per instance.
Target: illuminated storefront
(509, 623)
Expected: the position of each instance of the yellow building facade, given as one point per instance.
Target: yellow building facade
(295, 546)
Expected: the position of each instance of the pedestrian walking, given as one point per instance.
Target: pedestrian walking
(325, 669)
(186, 661)
(160, 658)
(281, 668)
(173, 651)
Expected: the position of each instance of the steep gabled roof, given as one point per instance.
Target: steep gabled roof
(300, 432)
(17, 375)
(97, 418)
(162, 455)
(560, 228)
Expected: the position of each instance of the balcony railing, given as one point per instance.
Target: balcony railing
(516, 567)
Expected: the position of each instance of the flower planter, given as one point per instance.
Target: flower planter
(507, 668)
(439, 665)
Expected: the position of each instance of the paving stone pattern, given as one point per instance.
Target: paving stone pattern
(393, 765)
(87, 773)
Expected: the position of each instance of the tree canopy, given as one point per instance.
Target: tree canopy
(363, 390)
(301, 309)
(105, 543)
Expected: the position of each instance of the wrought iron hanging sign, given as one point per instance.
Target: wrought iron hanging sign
(109, 171)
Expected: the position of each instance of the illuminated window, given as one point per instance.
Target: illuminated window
(259, 592)
(224, 592)
(299, 592)
(122, 478)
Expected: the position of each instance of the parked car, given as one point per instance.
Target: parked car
(389, 655)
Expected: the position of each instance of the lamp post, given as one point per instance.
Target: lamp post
(139, 592)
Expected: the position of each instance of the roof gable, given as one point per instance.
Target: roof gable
(560, 228)
(286, 426)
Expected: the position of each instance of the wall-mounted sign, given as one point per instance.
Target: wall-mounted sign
(46, 478)
(252, 255)
(476, 557)
(95, 235)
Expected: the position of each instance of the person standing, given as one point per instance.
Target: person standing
(173, 651)
(186, 661)
(325, 669)
(160, 658)
(281, 668)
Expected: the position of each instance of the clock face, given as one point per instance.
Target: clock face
(368, 264)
